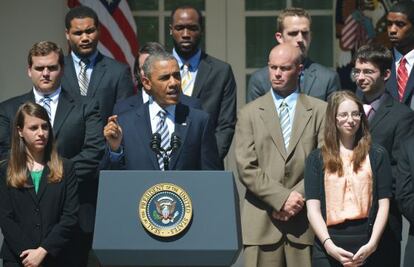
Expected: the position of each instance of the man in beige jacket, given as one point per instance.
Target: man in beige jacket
(274, 135)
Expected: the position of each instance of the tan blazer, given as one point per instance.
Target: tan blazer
(269, 172)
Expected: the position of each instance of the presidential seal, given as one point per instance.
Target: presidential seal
(165, 210)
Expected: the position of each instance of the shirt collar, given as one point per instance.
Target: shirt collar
(409, 57)
(91, 58)
(193, 61)
(154, 108)
(290, 99)
(54, 95)
(376, 103)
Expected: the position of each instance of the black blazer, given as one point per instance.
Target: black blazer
(215, 86)
(405, 185)
(47, 219)
(79, 137)
(198, 150)
(392, 124)
(110, 81)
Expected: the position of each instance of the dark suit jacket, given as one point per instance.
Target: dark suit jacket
(110, 81)
(215, 86)
(391, 125)
(78, 132)
(392, 87)
(134, 101)
(198, 150)
(319, 82)
(47, 219)
(405, 183)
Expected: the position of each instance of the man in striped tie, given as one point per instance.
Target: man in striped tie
(274, 135)
(130, 133)
(400, 26)
(89, 73)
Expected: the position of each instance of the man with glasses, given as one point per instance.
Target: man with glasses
(390, 123)
(274, 135)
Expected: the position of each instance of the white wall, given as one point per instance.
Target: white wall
(22, 23)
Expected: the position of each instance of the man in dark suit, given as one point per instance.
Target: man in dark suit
(400, 26)
(89, 73)
(142, 97)
(274, 135)
(129, 134)
(203, 76)
(405, 194)
(315, 80)
(390, 124)
(77, 126)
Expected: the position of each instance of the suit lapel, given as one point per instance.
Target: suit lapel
(409, 88)
(145, 133)
(182, 124)
(203, 72)
(303, 113)
(43, 183)
(271, 120)
(65, 106)
(97, 73)
(31, 189)
(309, 77)
(27, 97)
(382, 111)
(70, 75)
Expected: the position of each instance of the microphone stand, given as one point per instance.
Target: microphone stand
(155, 144)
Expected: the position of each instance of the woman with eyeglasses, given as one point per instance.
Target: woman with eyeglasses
(347, 186)
(38, 195)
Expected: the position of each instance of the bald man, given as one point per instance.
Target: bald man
(274, 134)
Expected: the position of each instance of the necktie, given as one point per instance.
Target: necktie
(83, 77)
(369, 111)
(402, 77)
(285, 122)
(46, 104)
(187, 83)
(162, 129)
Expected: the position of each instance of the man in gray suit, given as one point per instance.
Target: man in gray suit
(315, 80)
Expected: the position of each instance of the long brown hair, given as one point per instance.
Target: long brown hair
(330, 150)
(17, 167)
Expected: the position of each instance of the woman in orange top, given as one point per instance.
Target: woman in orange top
(347, 187)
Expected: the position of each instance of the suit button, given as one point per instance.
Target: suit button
(37, 210)
(38, 225)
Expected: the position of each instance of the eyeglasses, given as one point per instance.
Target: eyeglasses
(355, 115)
(367, 72)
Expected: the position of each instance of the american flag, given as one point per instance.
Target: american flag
(118, 38)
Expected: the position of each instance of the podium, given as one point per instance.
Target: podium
(212, 238)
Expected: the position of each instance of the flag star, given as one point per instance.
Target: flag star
(109, 2)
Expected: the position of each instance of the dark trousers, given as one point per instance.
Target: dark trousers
(388, 252)
(409, 252)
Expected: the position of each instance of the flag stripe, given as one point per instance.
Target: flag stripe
(126, 30)
(109, 42)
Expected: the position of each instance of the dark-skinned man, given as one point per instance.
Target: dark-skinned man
(203, 76)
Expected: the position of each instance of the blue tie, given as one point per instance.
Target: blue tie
(46, 104)
(285, 122)
(162, 129)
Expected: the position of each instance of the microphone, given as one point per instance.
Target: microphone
(175, 142)
(155, 143)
